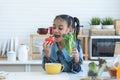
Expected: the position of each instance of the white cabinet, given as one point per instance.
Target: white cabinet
(21, 66)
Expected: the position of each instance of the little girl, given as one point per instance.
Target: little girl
(56, 52)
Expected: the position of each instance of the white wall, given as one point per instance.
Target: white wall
(22, 17)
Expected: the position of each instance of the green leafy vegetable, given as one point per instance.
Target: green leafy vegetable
(95, 70)
(92, 69)
(69, 40)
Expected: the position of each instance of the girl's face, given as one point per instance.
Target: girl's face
(60, 27)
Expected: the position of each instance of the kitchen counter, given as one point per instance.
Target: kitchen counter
(44, 76)
(35, 76)
(21, 62)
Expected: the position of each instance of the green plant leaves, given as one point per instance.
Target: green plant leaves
(69, 40)
(107, 21)
(104, 21)
(95, 21)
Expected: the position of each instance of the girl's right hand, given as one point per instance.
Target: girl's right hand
(46, 46)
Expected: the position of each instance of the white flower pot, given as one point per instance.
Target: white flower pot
(95, 27)
(108, 26)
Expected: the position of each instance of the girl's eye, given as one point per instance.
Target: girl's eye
(60, 28)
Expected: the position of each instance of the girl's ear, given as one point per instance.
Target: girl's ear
(71, 29)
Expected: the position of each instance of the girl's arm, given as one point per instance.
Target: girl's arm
(47, 60)
(76, 65)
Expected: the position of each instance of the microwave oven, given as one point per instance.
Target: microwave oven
(102, 46)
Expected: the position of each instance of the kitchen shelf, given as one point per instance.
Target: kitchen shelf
(3, 58)
(85, 45)
(38, 54)
(35, 54)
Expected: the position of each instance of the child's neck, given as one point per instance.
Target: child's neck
(61, 45)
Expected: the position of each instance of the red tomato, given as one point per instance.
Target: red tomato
(50, 39)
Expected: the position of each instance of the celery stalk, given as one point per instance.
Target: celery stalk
(69, 40)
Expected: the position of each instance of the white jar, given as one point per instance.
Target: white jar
(22, 52)
(11, 56)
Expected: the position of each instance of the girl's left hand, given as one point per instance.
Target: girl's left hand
(75, 54)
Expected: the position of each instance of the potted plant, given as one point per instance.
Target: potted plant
(107, 23)
(95, 23)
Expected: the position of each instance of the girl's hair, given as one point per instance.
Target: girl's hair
(71, 21)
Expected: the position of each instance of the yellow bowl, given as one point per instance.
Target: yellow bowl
(53, 68)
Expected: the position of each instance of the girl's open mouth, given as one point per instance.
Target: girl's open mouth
(56, 36)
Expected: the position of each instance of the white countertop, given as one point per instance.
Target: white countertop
(35, 76)
(21, 62)
(44, 76)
